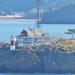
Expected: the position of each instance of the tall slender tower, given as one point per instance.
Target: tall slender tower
(38, 14)
(12, 42)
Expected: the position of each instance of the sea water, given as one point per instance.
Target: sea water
(37, 74)
(14, 27)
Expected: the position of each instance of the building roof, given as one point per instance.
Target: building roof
(32, 33)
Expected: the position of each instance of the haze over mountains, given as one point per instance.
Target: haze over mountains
(60, 12)
(51, 11)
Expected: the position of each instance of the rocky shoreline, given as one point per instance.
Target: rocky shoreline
(43, 60)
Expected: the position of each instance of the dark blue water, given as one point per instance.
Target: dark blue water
(37, 74)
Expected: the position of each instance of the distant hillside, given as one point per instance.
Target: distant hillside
(51, 11)
(64, 15)
(56, 12)
(16, 5)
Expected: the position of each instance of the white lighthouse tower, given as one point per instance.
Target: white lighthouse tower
(12, 42)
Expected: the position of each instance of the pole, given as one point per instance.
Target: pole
(38, 13)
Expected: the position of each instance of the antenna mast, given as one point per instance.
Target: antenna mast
(38, 13)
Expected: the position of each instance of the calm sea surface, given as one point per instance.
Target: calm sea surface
(14, 27)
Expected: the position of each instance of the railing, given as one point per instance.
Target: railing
(29, 39)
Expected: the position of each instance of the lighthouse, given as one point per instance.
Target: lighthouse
(12, 42)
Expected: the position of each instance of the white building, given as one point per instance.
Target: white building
(31, 37)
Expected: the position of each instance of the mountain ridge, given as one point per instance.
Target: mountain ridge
(51, 11)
